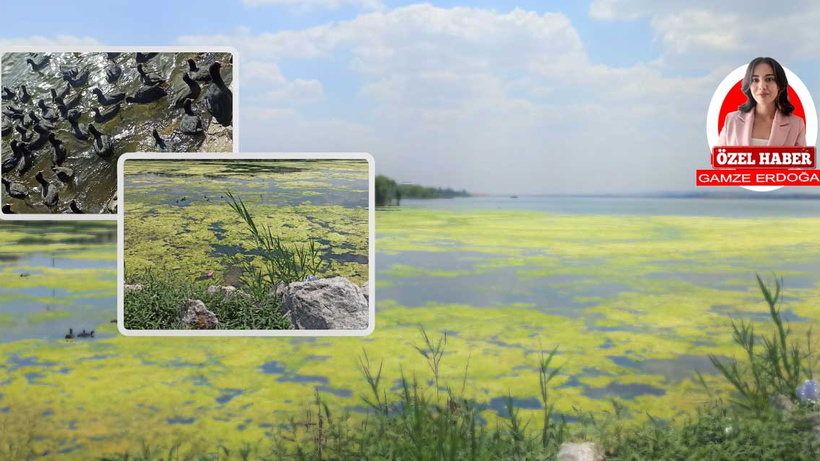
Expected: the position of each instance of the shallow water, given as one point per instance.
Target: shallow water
(130, 130)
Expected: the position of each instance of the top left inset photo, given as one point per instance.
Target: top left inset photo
(67, 116)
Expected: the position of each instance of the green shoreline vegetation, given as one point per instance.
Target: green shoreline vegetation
(437, 421)
(388, 192)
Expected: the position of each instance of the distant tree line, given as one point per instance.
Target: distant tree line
(388, 192)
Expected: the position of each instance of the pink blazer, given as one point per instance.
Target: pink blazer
(787, 130)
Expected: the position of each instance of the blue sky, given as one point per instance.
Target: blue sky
(498, 97)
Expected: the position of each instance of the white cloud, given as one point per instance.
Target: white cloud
(58, 40)
(297, 92)
(308, 5)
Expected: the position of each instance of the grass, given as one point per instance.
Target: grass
(157, 305)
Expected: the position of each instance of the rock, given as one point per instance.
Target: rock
(110, 206)
(326, 304)
(366, 291)
(780, 403)
(227, 291)
(280, 289)
(196, 316)
(218, 138)
(136, 287)
(310, 278)
(586, 451)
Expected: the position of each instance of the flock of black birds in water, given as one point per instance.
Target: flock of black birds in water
(36, 122)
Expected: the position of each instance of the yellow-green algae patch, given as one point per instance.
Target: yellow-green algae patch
(677, 279)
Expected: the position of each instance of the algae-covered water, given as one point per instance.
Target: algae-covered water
(130, 130)
(634, 303)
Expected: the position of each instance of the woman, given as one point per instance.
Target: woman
(766, 118)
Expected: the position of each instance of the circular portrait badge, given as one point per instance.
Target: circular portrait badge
(729, 96)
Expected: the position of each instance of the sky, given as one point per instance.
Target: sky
(606, 96)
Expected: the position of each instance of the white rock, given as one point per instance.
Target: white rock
(586, 451)
(326, 304)
(196, 316)
(136, 287)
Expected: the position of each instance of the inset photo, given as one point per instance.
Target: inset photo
(246, 245)
(67, 116)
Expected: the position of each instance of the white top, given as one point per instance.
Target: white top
(760, 142)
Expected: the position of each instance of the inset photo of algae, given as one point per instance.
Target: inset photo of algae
(68, 116)
(248, 245)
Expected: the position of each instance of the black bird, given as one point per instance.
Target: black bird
(8, 94)
(23, 96)
(7, 209)
(76, 129)
(102, 143)
(33, 119)
(75, 208)
(27, 159)
(15, 189)
(147, 94)
(10, 163)
(71, 104)
(38, 66)
(104, 117)
(113, 72)
(70, 334)
(25, 136)
(158, 141)
(190, 93)
(48, 113)
(58, 153)
(75, 80)
(5, 128)
(50, 196)
(60, 94)
(219, 98)
(190, 123)
(63, 173)
(90, 334)
(148, 79)
(112, 55)
(107, 100)
(41, 140)
(144, 57)
(200, 74)
(10, 110)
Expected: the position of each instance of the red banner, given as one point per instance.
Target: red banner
(779, 177)
(763, 157)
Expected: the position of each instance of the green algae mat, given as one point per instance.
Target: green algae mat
(634, 304)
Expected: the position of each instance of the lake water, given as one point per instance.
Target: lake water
(634, 292)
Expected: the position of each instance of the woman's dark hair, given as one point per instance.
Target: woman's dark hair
(782, 102)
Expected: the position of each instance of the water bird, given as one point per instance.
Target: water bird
(5, 130)
(113, 72)
(219, 98)
(83, 334)
(108, 100)
(40, 65)
(23, 96)
(158, 141)
(48, 113)
(60, 94)
(144, 57)
(27, 159)
(102, 143)
(65, 107)
(190, 93)
(148, 79)
(198, 74)
(50, 196)
(76, 80)
(25, 136)
(58, 153)
(8, 94)
(11, 162)
(112, 55)
(190, 123)
(41, 139)
(7, 209)
(63, 173)
(76, 129)
(75, 208)
(147, 94)
(25, 274)
(15, 189)
(70, 334)
(106, 116)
